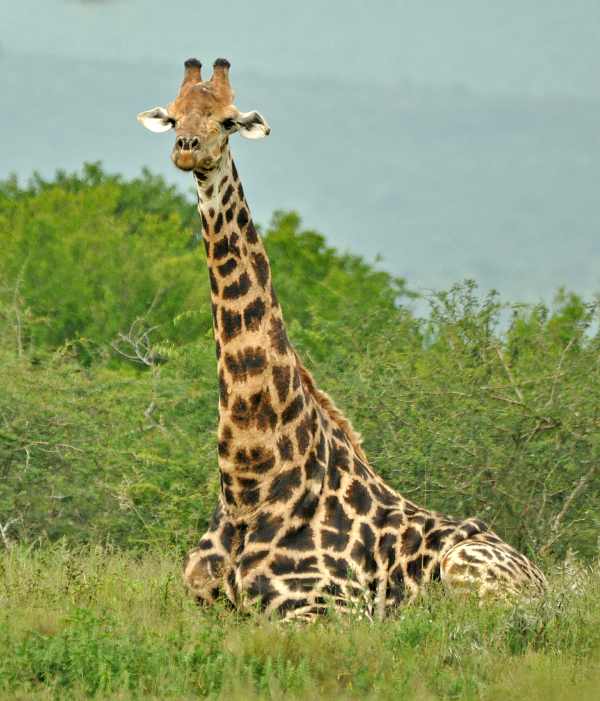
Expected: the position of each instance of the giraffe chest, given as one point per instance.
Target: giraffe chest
(338, 535)
(339, 556)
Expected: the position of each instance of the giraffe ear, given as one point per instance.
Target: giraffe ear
(156, 119)
(252, 125)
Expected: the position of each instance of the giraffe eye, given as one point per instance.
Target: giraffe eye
(228, 124)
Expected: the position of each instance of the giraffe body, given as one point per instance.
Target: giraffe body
(303, 522)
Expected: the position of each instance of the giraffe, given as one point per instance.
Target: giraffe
(303, 522)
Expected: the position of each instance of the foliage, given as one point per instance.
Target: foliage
(92, 253)
(480, 408)
(91, 623)
(476, 415)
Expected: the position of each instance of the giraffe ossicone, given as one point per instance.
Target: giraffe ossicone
(303, 522)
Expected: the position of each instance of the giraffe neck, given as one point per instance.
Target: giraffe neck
(268, 418)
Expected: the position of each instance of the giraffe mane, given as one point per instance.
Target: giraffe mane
(327, 404)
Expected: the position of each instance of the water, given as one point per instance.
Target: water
(448, 141)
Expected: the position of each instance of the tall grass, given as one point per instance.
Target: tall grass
(95, 623)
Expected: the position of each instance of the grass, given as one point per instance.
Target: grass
(104, 624)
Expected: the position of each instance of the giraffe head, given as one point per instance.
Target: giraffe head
(203, 116)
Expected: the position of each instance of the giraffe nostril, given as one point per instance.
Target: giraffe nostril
(195, 143)
(180, 143)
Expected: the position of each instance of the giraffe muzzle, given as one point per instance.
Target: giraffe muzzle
(185, 143)
(186, 152)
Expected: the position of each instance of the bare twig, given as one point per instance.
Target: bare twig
(17, 309)
(558, 373)
(47, 447)
(543, 424)
(558, 519)
(138, 344)
(541, 380)
(507, 400)
(509, 374)
(138, 347)
(545, 494)
(4, 531)
(152, 422)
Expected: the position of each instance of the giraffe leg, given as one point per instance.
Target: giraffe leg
(381, 599)
(203, 571)
(490, 569)
(206, 566)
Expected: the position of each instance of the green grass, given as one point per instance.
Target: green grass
(109, 625)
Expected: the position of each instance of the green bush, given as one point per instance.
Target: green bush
(90, 254)
(488, 415)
